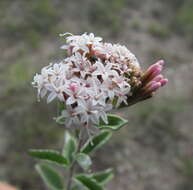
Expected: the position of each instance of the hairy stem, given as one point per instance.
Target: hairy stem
(72, 168)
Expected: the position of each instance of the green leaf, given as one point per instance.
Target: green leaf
(114, 122)
(84, 161)
(89, 183)
(48, 155)
(96, 142)
(50, 177)
(78, 186)
(103, 177)
(70, 147)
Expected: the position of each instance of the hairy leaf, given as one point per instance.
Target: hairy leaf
(50, 177)
(114, 122)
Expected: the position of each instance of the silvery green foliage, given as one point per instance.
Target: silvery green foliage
(73, 154)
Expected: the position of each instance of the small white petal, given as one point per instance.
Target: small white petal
(51, 97)
(43, 92)
(70, 101)
(104, 117)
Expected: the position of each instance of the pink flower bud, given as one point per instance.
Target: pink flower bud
(152, 72)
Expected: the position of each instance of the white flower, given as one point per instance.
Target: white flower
(81, 64)
(75, 93)
(104, 70)
(38, 83)
(55, 92)
(120, 82)
(91, 39)
(81, 42)
(71, 117)
(102, 112)
(89, 112)
(122, 96)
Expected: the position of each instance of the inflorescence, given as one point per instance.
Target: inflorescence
(94, 78)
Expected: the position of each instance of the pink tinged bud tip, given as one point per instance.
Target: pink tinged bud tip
(164, 82)
(161, 62)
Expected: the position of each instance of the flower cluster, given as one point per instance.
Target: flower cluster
(94, 78)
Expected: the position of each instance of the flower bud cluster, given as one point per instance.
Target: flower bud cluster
(94, 78)
(151, 80)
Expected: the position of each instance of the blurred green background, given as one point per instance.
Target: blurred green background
(155, 150)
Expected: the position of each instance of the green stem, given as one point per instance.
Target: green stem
(73, 166)
(70, 176)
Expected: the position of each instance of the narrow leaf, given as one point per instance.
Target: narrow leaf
(50, 177)
(48, 155)
(84, 161)
(70, 146)
(89, 183)
(114, 122)
(96, 142)
(103, 177)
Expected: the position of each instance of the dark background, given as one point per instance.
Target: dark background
(155, 150)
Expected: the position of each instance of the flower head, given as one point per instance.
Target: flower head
(94, 78)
